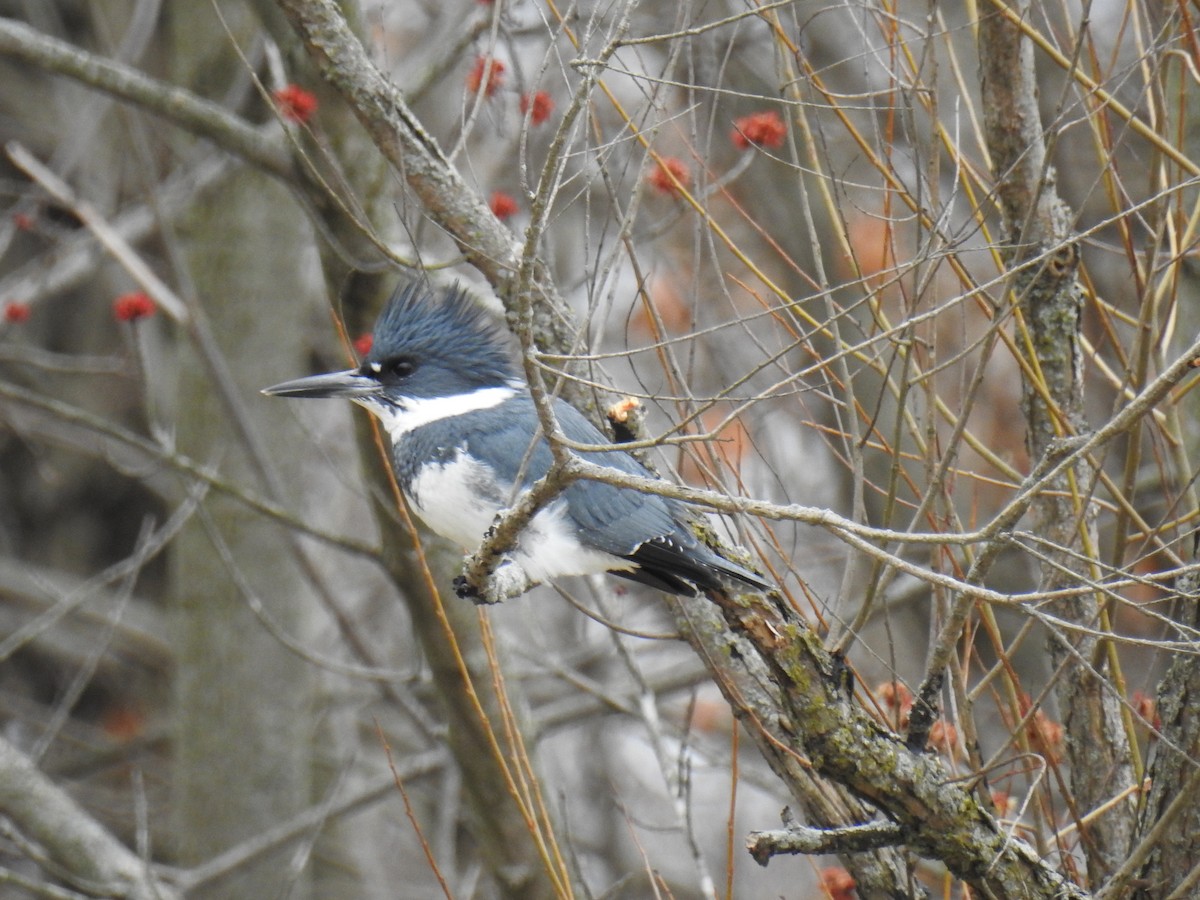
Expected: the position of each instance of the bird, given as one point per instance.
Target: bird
(467, 444)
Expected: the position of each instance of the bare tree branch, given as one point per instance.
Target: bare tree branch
(86, 851)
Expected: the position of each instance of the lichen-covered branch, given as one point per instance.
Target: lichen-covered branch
(795, 839)
(1169, 823)
(1044, 257)
(819, 720)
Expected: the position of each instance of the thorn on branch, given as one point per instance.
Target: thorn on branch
(923, 712)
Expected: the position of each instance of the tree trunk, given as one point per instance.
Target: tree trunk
(244, 726)
(1044, 258)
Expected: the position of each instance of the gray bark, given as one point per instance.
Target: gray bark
(1044, 259)
(244, 703)
(90, 856)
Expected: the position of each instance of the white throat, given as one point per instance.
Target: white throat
(413, 412)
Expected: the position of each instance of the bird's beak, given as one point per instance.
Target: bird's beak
(348, 385)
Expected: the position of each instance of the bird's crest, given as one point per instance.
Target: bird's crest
(445, 325)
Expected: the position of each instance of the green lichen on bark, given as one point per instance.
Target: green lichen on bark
(1043, 258)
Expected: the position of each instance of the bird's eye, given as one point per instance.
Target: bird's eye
(399, 367)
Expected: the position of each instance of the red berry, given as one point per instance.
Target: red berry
(660, 180)
(538, 106)
(295, 103)
(487, 74)
(16, 312)
(503, 205)
(131, 307)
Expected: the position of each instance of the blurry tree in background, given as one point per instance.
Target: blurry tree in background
(906, 293)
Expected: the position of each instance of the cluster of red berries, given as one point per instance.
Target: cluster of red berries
(671, 175)
(487, 76)
(760, 129)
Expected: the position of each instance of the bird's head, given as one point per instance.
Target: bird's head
(427, 345)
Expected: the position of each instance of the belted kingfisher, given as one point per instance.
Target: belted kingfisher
(466, 442)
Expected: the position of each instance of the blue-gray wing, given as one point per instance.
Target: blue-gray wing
(610, 519)
(645, 529)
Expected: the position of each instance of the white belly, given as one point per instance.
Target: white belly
(459, 501)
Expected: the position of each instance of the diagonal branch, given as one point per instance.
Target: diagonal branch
(381, 108)
(184, 108)
(88, 853)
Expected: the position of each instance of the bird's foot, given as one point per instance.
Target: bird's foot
(508, 580)
(465, 590)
